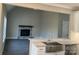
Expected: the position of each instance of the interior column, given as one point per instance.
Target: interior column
(74, 31)
(74, 28)
(1, 28)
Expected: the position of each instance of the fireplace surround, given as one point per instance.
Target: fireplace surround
(25, 31)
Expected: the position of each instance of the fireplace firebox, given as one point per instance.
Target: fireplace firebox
(25, 31)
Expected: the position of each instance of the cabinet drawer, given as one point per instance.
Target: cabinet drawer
(41, 53)
(41, 48)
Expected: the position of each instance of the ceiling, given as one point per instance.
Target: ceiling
(72, 6)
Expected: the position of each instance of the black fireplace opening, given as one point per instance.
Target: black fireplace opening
(25, 32)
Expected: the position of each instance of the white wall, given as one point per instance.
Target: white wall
(49, 24)
(22, 16)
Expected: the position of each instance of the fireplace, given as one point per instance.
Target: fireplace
(25, 31)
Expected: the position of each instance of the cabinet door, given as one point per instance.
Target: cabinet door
(71, 49)
(77, 49)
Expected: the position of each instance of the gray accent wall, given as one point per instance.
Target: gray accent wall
(21, 16)
(46, 24)
(63, 26)
(49, 25)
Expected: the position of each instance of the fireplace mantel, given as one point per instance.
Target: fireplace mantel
(25, 26)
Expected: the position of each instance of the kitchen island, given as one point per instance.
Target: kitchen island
(37, 47)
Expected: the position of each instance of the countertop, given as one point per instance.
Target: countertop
(39, 42)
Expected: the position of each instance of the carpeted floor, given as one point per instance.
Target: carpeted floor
(16, 47)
